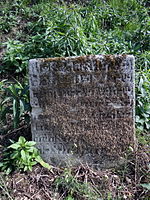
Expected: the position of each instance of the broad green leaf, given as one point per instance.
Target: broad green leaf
(33, 163)
(30, 167)
(31, 149)
(25, 168)
(23, 155)
(38, 159)
(44, 164)
(13, 90)
(69, 198)
(21, 140)
(14, 146)
(8, 171)
(31, 143)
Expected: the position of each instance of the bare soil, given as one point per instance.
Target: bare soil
(122, 182)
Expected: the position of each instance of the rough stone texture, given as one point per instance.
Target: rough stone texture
(83, 108)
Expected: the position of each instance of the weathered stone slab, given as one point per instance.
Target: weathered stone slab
(83, 108)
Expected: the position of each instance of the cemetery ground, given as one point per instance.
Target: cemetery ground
(41, 29)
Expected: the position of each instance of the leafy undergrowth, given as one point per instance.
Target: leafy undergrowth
(81, 183)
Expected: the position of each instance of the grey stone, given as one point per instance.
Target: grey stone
(83, 108)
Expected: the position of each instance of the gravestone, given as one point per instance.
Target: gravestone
(83, 108)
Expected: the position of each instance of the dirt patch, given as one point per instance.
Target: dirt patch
(121, 183)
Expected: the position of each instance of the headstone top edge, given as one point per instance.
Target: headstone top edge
(32, 61)
(51, 59)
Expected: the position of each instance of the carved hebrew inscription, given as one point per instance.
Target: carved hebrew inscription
(83, 108)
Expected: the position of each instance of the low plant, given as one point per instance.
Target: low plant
(72, 188)
(143, 100)
(14, 101)
(14, 59)
(21, 155)
(7, 21)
